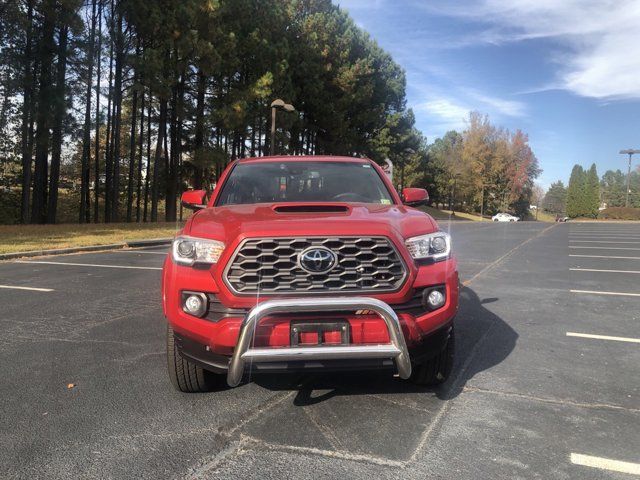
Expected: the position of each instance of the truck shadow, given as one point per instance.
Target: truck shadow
(483, 340)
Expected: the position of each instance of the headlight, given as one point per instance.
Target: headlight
(436, 246)
(187, 250)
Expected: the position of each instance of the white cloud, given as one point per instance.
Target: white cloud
(510, 108)
(455, 110)
(601, 38)
(444, 109)
(441, 115)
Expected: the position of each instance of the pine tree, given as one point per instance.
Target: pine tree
(199, 77)
(555, 198)
(592, 192)
(575, 193)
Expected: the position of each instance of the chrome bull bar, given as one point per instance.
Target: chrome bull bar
(397, 349)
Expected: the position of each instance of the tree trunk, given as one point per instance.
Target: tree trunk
(60, 111)
(170, 186)
(140, 148)
(132, 141)
(165, 164)
(252, 149)
(96, 187)
(43, 115)
(108, 140)
(162, 128)
(27, 117)
(132, 154)
(260, 135)
(115, 195)
(86, 140)
(178, 157)
(199, 132)
(147, 177)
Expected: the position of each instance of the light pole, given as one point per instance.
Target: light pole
(287, 107)
(630, 152)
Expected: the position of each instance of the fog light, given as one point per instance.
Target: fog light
(434, 298)
(194, 304)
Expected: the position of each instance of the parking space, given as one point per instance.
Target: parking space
(605, 259)
(605, 288)
(538, 390)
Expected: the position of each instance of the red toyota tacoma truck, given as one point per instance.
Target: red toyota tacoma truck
(308, 263)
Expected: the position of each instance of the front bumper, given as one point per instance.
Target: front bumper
(212, 341)
(396, 349)
(202, 355)
(221, 327)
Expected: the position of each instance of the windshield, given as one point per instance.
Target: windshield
(304, 182)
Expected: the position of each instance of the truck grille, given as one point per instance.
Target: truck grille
(270, 265)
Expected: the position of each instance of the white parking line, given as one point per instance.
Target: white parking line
(603, 234)
(603, 256)
(34, 289)
(89, 265)
(601, 241)
(614, 237)
(603, 337)
(604, 248)
(138, 251)
(601, 270)
(605, 464)
(595, 292)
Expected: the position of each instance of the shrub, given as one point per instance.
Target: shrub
(620, 213)
(9, 206)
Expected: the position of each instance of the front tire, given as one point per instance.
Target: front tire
(186, 376)
(436, 370)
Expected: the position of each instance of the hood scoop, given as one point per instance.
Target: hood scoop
(311, 208)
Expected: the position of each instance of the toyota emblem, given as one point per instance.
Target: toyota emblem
(317, 259)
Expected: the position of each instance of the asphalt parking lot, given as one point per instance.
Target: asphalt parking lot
(546, 382)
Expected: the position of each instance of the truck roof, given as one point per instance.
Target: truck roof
(304, 158)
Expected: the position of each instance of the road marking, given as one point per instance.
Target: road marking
(34, 289)
(605, 464)
(603, 256)
(89, 265)
(603, 337)
(138, 251)
(606, 235)
(595, 292)
(600, 241)
(604, 238)
(604, 248)
(498, 260)
(600, 270)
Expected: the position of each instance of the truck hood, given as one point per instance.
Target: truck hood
(232, 222)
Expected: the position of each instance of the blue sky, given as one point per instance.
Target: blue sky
(566, 72)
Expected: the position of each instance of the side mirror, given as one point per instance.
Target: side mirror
(414, 196)
(194, 199)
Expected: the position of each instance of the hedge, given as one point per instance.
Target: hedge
(620, 213)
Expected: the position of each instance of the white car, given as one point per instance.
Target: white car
(504, 217)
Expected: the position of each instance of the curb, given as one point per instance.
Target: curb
(89, 248)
